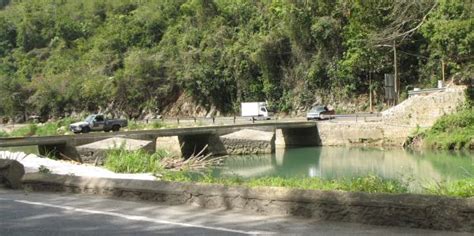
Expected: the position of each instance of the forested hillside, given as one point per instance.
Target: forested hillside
(59, 56)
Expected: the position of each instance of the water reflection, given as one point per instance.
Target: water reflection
(25, 149)
(343, 162)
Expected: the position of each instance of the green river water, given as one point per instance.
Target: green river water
(419, 168)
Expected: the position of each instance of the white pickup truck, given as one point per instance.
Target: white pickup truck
(98, 122)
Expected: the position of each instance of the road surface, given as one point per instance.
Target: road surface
(24, 213)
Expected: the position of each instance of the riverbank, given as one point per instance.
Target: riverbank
(453, 132)
(148, 166)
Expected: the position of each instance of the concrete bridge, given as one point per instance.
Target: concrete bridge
(192, 138)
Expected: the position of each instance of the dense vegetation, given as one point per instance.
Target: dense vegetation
(61, 56)
(455, 131)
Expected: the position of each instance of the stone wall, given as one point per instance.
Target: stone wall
(424, 110)
(248, 141)
(405, 210)
(362, 133)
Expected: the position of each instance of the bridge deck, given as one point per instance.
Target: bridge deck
(62, 139)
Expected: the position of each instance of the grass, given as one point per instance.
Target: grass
(370, 183)
(61, 127)
(3, 134)
(459, 188)
(134, 125)
(453, 131)
(122, 161)
(50, 128)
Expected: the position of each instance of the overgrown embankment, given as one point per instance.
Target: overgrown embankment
(454, 131)
(451, 131)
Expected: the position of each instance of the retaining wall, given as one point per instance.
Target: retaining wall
(362, 134)
(405, 210)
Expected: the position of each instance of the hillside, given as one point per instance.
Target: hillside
(131, 57)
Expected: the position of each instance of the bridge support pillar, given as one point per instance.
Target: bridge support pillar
(187, 145)
(60, 151)
(297, 137)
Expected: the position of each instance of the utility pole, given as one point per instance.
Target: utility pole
(442, 69)
(395, 73)
(370, 91)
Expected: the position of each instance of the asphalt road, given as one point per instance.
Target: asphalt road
(73, 214)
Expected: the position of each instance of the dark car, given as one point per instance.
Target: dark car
(319, 113)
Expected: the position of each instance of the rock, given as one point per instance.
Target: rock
(11, 172)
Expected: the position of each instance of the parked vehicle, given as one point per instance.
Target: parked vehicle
(319, 113)
(255, 110)
(98, 122)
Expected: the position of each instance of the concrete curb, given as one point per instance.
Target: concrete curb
(405, 210)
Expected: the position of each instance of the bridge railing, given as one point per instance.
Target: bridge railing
(218, 120)
(425, 91)
(227, 120)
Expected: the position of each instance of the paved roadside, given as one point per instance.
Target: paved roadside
(73, 214)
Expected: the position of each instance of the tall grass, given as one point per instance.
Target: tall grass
(122, 161)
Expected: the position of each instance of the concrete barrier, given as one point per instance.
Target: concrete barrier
(405, 210)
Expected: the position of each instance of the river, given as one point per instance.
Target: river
(416, 168)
